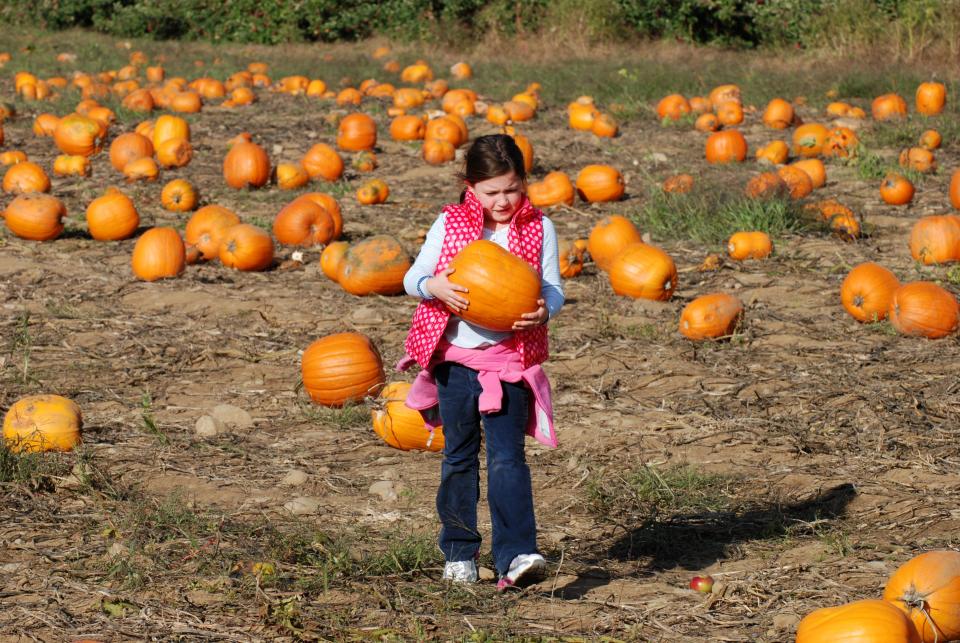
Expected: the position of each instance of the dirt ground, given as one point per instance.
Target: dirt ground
(838, 440)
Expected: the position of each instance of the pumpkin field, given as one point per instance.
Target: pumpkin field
(165, 275)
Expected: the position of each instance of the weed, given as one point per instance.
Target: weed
(34, 470)
(953, 275)
(22, 344)
(647, 489)
(149, 423)
(836, 540)
(349, 416)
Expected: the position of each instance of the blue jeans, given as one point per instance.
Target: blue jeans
(509, 492)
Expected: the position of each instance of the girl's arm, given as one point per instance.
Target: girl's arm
(426, 262)
(551, 284)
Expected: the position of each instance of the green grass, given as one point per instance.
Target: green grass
(32, 469)
(647, 489)
(350, 416)
(711, 216)
(149, 423)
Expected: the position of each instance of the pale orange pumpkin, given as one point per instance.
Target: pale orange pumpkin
(76, 134)
(936, 239)
(291, 176)
(42, 423)
(341, 368)
(375, 265)
(888, 106)
(400, 426)
(174, 152)
(778, 114)
(927, 589)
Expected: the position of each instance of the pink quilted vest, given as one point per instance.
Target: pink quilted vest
(463, 223)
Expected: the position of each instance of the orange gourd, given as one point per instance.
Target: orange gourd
(373, 192)
(643, 271)
(112, 217)
(598, 183)
(867, 291)
(42, 423)
(142, 169)
(291, 176)
(867, 621)
(672, 107)
(68, 165)
(924, 309)
(779, 114)
(953, 191)
(707, 123)
(936, 239)
(918, 159)
(76, 134)
(571, 258)
(158, 254)
(930, 140)
(927, 589)
(129, 147)
(35, 216)
(374, 266)
(207, 227)
(798, 182)
(400, 426)
(554, 189)
(179, 195)
(407, 128)
(436, 151)
(331, 257)
(725, 147)
(246, 247)
(303, 222)
(330, 204)
(888, 106)
(809, 139)
(341, 368)
(174, 152)
(815, 169)
(501, 286)
(896, 189)
(711, 316)
(323, 161)
(24, 178)
(609, 237)
(246, 165)
(167, 127)
(749, 245)
(357, 132)
(931, 98)
(774, 153)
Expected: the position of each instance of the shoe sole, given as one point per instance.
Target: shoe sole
(533, 572)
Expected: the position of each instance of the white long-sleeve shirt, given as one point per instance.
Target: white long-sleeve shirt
(462, 333)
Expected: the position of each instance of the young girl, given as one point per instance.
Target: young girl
(473, 373)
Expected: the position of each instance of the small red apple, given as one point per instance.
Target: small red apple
(702, 584)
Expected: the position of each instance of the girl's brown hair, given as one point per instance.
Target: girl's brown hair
(492, 156)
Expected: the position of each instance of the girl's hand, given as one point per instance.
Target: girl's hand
(446, 291)
(537, 318)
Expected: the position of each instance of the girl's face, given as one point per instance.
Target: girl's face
(500, 196)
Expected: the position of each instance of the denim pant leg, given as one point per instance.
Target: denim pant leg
(459, 491)
(509, 491)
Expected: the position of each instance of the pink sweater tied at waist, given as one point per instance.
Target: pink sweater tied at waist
(494, 364)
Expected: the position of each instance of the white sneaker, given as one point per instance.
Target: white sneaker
(461, 571)
(526, 567)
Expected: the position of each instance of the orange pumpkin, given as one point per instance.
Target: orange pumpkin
(167, 127)
(357, 132)
(42, 423)
(174, 152)
(12, 157)
(374, 266)
(373, 192)
(918, 159)
(605, 126)
(206, 228)
(936, 239)
(580, 116)
(597, 183)
(815, 169)
(129, 147)
(303, 222)
(501, 286)
(331, 257)
(246, 165)
(726, 146)
(571, 258)
(330, 204)
(896, 189)
(341, 368)
(730, 113)
(407, 128)
(779, 114)
(711, 316)
(707, 123)
(76, 134)
(436, 151)
(400, 426)
(139, 100)
(159, 253)
(867, 621)
(179, 195)
(930, 140)
(44, 125)
(35, 216)
(765, 186)
(774, 153)
(291, 176)
(643, 271)
(25, 177)
(924, 309)
(723, 93)
(672, 107)
(798, 182)
(364, 162)
(809, 139)
(931, 98)
(142, 169)
(867, 291)
(927, 589)
(609, 237)
(953, 190)
(446, 128)
(749, 245)
(554, 189)
(246, 247)
(112, 217)
(678, 184)
(888, 106)
(323, 161)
